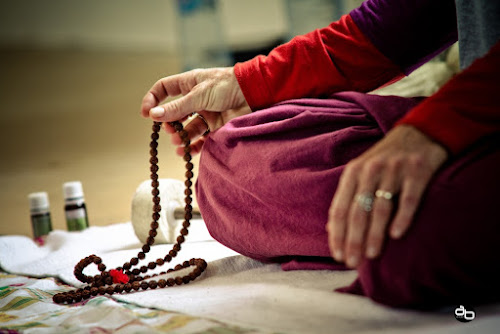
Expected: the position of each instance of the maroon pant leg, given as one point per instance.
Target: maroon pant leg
(266, 182)
(451, 252)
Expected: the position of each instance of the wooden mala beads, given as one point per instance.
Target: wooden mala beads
(125, 279)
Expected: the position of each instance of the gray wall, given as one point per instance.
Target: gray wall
(87, 24)
(133, 24)
(125, 24)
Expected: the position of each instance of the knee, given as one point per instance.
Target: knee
(446, 256)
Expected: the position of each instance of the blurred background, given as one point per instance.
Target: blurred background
(72, 76)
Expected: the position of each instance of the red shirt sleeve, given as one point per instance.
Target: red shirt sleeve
(466, 108)
(318, 64)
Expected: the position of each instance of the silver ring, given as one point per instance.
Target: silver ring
(384, 194)
(365, 201)
(207, 131)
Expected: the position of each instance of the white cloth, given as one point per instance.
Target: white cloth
(235, 289)
(427, 79)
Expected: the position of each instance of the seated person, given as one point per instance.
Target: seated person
(302, 167)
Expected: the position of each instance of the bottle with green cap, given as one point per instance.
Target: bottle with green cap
(75, 208)
(40, 216)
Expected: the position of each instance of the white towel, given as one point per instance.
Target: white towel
(235, 289)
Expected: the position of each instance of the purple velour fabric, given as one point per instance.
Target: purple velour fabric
(266, 181)
(408, 32)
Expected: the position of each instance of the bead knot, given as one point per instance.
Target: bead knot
(118, 276)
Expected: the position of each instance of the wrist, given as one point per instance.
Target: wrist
(238, 92)
(416, 140)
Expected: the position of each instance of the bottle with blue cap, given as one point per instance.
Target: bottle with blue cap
(40, 216)
(75, 208)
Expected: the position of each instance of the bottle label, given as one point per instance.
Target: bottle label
(76, 220)
(42, 225)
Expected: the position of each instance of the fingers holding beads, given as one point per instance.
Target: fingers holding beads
(179, 84)
(197, 128)
(213, 93)
(199, 124)
(215, 89)
(194, 148)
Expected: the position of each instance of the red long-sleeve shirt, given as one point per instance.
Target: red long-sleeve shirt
(341, 57)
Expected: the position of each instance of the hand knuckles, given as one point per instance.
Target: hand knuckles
(338, 215)
(197, 74)
(160, 82)
(218, 74)
(380, 210)
(337, 240)
(184, 87)
(373, 167)
(175, 106)
(353, 245)
(416, 160)
(374, 240)
(394, 163)
(352, 168)
(358, 220)
(408, 200)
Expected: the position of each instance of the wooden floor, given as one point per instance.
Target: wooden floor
(71, 115)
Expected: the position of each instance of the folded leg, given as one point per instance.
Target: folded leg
(267, 179)
(450, 253)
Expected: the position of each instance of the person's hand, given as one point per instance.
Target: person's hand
(362, 210)
(213, 93)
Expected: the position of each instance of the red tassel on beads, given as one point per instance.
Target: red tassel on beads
(118, 276)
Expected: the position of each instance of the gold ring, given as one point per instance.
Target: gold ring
(207, 131)
(384, 194)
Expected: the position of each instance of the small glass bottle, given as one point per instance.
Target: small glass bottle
(40, 216)
(75, 208)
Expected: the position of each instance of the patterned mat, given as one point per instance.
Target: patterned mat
(26, 306)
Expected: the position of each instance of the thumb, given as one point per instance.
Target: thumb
(177, 109)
